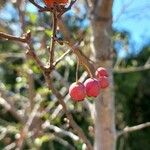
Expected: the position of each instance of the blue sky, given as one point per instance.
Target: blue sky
(133, 18)
(129, 16)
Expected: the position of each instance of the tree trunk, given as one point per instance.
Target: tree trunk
(105, 133)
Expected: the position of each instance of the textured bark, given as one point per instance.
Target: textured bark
(105, 132)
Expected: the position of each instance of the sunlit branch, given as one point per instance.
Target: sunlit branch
(76, 128)
(12, 38)
(132, 69)
(58, 130)
(134, 128)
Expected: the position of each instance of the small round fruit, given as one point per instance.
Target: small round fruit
(77, 91)
(92, 87)
(50, 3)
(103, 82)
(63, 2)
(101, 72)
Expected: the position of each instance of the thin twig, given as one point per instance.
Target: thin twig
(132, 69)
(12, 38)
(68, 114)
(83, 60)
(9, 107)
(61, 57)
(66, 9)
(35, 4)
(77, 70)
(47, 125)
(27, 39)
(52, 46)
(26, 128)
(134, 128)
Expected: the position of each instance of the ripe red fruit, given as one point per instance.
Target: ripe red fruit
(50, 3)
(92, 87)
(77, 91)
(101, 72)
(103, 82)
(61, 1)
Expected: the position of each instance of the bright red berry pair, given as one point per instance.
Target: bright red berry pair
(91, 87)
(78, 91)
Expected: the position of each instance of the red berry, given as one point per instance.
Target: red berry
(92, 87)
(61, 1)
(77, 91)
(50, 3)
(101, 72)
(103, 82)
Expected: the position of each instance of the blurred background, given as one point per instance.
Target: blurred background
(22, 83)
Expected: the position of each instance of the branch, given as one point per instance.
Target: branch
(75, 48)
(27, 39)
(132, 69)
(83, 59)
(60, 131)
(12, 38)
(52, 46)
(35, 4)
(9, 107)
(24, 132)
(66, 9)
(61, 57)
(68, 114)
(134, 128)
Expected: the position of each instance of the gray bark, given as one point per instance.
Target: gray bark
(105, 133)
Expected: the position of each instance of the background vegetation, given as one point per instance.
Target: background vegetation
(22, 84)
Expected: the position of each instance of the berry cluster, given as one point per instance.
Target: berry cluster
(91, 87)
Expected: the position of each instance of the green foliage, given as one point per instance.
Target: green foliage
(132, 103)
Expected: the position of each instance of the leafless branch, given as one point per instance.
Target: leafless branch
(132, 69)
(30, 52)
(76, 128)
(12, 38)
(61, 57)
(134, 128)
(66, 9)
(10, 146)
(52, 46)
(64, 142)
(56, 129)
(27, 125)
(8, 106)
(39, 7)
(46, 71)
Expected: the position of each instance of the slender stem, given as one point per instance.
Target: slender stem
(61, 57)
(52, 46)
(83, 60)
(77, 70)
(133, 128)
(12, 38)
(75, 126)
(88, 70)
